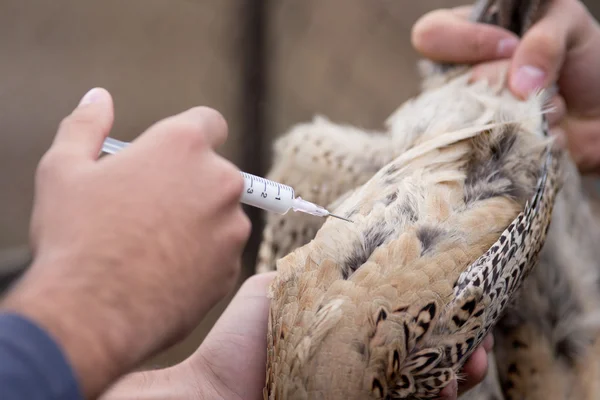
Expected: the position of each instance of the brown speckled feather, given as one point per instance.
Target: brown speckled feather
(379, 307)
(391, 306)
(547, 343)
(322, 160)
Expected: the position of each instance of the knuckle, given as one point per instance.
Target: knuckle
(579, 10)
(195, 129)
(232, 182)
(547, 47)
(211, 123)
(78, 120)
(186, 133)
(48, 164)
(424, 31)
(479, 44)
(238, 230)
(582, 14)
(212, 116)
(243, 227)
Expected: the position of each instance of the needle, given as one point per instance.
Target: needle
(342, 218)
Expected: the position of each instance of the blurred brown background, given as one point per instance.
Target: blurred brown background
(265, 65)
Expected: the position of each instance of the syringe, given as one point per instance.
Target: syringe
(258, 192)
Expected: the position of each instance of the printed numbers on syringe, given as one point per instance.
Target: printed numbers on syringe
(266, 194)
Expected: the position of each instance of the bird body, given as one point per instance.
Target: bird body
(547, 341)
(450, 211)
(372, 308)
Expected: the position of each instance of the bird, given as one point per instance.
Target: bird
(451, 207)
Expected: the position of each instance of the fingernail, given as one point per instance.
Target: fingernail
(506, 47)
(528, 79)
(91, 97)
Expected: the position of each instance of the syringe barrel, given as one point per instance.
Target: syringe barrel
(266, 194)
(112, 146)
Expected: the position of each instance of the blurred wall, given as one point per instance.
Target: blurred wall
(156, 57)
(265, 65)
(349, 60)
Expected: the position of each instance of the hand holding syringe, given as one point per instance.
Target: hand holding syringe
(258, 192)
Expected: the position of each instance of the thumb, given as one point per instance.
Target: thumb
(538, 60)
(247, 313)
(82, 133)
(234, 352)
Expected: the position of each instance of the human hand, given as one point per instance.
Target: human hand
(130, 250)
(473, 372)
(562, 47)
(233, 356)
(230, 363)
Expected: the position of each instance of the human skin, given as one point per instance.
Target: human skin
(230, 362)
(131, 259)
(563, 47)
(128, 257)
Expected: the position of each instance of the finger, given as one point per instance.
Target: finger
(560, 139)
(488, 343)
(450, 392)
(254, 291)
(583, 142)
(463, 12)
(474, 370)
(82, 133)
(557, 110)
(235, 349)
(493, 72)
(444, 35)
(540, 56)
(578, 80)
(198, 126)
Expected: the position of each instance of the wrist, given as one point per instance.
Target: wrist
(173, 383)
(93, 336)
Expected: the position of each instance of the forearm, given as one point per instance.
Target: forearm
(103, 330)
(89, 331)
